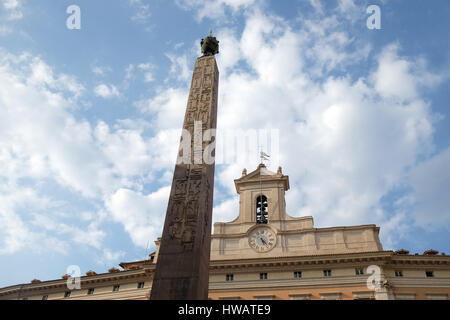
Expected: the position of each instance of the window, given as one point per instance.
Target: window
(91, 291)
(359, 271)
(399, 273)
(67, 294)
(116, 288)
(364, 295)
(229, 277)
(331, 296)
(267, 297)
(327, 273)
(262, 214)
(263, 276)
(141, 285)
(45, 298)
(429, 274)
(297, 274)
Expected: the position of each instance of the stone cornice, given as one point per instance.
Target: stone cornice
(298, 231)
(414, 260)
(386, 258)
(310, 261)
(85, 281)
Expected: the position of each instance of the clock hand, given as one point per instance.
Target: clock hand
(263, 241)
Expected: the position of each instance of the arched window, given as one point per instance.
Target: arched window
(262, 213)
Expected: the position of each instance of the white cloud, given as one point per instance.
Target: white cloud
(400, 78)
(147, 69)
(142, 14)
(167, 107)
(11, 4)
(16, 233)
(106, 91)
(42, 142)
(214, 9)
(89, 235)
(317, 5)
(429, 200)
(101, 71)
(130, 153)
(13, 9)
(226, 211)
(350, 10)
(129, 72)
(179, 67)
(346, 5)
(141, 215)
(110, 257)
(230, 53)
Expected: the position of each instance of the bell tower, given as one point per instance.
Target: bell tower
(264, 229)
(261, 194)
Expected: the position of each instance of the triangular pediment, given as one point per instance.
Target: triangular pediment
(261, 174)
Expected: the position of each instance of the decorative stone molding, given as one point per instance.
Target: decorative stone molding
(305, 296)
(405, 296)
(437, 296)
(363, 294)
(330, 296)
(264, 297)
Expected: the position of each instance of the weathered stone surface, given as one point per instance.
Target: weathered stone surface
(182, 269)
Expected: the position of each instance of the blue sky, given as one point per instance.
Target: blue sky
(90, 119)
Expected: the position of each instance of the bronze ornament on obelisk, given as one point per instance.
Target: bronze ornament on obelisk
(182, 268)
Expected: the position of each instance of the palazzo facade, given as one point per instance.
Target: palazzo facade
(266, 254)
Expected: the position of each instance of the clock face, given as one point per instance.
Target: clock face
(262, 239)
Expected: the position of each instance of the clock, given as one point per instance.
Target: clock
(262, 239)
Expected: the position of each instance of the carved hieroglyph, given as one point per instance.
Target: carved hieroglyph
(183, 263)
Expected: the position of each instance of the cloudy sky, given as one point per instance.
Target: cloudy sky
(90, 119)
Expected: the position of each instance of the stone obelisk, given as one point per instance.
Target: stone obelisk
(182, 268)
